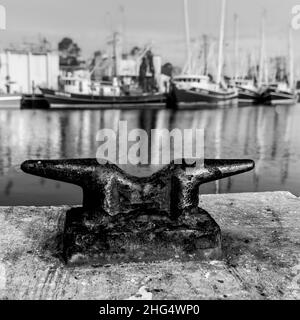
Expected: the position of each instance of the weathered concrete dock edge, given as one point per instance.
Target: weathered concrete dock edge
(260, 240)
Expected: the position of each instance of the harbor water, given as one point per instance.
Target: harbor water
(268, 135)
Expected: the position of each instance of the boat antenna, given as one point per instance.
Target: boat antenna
(221, 42)
(187, 35)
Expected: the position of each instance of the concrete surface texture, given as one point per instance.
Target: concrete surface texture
(261, 257)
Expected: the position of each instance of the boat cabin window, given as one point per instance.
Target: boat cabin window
(69, 82)
(189, 80)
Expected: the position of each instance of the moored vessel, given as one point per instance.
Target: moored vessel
(63, 98)
(195, 90)
(133, 85)
(248, 92)
(279, 93)
(105, 94)
(283, 89)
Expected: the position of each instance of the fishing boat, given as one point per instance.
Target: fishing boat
(248, 92)
(279, 93)
(116, 91)
(194, 90)
(63, 98)
(197, 90)
(282, 91)
(84, 93)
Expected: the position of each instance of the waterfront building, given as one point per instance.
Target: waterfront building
(21, 70)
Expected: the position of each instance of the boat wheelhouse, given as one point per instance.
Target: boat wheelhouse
(78, 85)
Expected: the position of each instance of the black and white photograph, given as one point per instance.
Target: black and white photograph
(149, 154)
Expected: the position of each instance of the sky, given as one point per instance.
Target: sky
(90, 23)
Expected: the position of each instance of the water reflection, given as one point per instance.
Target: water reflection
(269, 135)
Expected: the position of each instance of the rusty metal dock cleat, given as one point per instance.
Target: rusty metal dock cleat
(125, 218)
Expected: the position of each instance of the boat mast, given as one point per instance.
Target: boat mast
(221, 42)
(236, 46)
(291, 59)
(187, 35)
(262, 50)
(205, 50)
